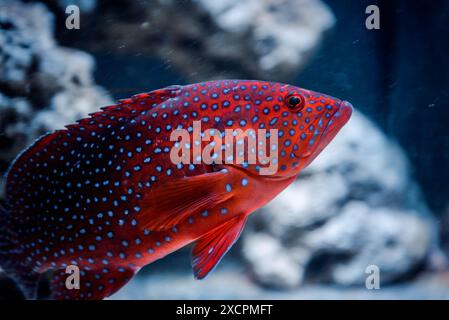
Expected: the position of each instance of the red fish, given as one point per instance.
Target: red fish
(104, 194)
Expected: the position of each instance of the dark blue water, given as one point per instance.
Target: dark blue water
(398, 75)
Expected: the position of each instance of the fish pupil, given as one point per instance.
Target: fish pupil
(294, 102)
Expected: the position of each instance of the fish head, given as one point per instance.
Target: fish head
(298, 124)
(313, 120)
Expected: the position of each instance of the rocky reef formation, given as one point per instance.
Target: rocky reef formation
(355, 206)
(43, 86)
(205, 39)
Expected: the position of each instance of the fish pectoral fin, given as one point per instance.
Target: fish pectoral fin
(167, 205)
(211, 248)
(92, 284)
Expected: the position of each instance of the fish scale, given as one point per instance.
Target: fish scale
(104, 194)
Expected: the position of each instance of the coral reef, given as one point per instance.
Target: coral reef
(43, 86)
(212, 39)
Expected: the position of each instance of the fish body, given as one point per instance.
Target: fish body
(109, 196)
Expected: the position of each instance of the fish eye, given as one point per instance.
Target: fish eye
(295, 102)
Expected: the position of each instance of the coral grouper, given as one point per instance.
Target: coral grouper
(109, 194)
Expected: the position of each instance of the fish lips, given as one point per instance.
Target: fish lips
(337, 121)
(340, 117)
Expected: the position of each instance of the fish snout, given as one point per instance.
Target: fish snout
(346, 109)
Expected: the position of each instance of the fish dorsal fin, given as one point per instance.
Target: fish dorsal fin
(209, 249)
(129, 108)
(110, 118)
(168, 204)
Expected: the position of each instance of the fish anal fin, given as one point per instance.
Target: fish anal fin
(94, 284)
(210, 249)
(167, 205)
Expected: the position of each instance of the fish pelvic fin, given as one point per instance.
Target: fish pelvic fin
(210, 249)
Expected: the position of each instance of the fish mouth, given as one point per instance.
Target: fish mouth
(340, 117)
(338, 120)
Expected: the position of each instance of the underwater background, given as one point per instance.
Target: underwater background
(378, 195)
